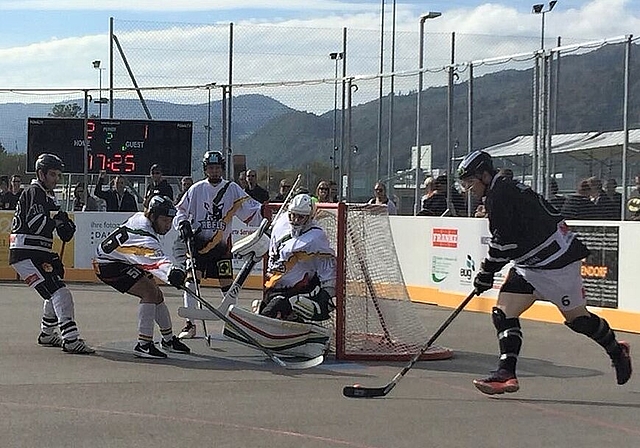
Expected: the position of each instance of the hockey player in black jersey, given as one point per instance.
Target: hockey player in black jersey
(31, 255)
(546, 258)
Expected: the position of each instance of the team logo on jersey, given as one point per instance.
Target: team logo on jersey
(213, 218)
(46, 267)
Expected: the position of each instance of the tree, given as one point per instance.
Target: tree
(71, 110)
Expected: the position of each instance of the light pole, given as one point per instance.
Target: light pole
(540, 9)
(423, 18)
(336, 57)
(96, 65)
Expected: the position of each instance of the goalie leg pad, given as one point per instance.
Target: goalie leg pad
(283, 337)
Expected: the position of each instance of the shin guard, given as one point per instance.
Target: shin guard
(597, 329)
(509, 339)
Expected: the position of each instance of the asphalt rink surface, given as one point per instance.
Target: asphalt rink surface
(229, 395)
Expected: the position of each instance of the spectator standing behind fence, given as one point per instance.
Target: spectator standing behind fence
(333, 191)
(158, 186)
(605, 208)
(323, 191)
(185, 183)
(78, 200)
(254, 190)
(614, 196)
(555, 199)
(285, 187)
(380, 198)
(578, 205)
(436, 202)
(9, 198)
(118, 199)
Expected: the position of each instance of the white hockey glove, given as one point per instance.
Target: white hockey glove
(255, 245)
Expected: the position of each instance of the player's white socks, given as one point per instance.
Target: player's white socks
(163, 319)
(146, 319)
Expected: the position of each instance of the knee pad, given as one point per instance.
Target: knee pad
(587, 325)
(501, 322)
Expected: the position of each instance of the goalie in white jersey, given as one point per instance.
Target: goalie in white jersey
(130, 258)
(300, 286)
(204, 218)
(301, 274)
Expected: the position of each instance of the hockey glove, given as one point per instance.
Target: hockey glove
(65, 228)
(185, 230)
(313, 306)
(58, 267)
(483, 281)
(177, 277)
(255, 245)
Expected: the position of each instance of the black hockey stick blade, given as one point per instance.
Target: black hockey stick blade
(358, 391)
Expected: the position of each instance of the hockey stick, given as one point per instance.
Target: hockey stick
(286, 364)
(197, 286)
(358, 391)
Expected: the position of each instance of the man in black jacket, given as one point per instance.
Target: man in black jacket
(118, 199)
(527, 231)
(158, 186)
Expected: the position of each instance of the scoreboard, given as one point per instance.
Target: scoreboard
(115, 146)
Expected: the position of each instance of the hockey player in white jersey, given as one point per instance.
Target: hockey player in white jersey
(129, 259)
(204, 218)
(300, 286)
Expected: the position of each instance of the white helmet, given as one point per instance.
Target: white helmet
(301, 205)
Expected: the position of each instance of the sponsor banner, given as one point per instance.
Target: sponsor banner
(600, 269)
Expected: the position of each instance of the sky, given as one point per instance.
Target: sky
(51, 44)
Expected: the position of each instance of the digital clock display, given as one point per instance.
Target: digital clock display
(115, 146)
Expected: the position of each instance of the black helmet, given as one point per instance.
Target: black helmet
(475, 163)
(161, 206)
(46, 162)
(212, 158)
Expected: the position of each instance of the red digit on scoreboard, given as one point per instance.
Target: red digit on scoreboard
(129, 163)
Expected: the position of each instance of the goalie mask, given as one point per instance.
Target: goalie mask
(301, 211)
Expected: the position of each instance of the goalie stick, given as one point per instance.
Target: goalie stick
(358, 391)
(295, 365)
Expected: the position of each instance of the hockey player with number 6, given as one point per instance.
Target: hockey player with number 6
(527, 231)
(129, 259)
(31, 255)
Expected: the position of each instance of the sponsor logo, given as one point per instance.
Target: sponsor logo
(587, 270)
(444, 238)
(46, 267)
(468, 270)
(441, 267)
(31, 279)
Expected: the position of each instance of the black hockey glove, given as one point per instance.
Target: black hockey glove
(185, 230)
(64, 226)
(177, 277)
(58, 267)
(483, 281)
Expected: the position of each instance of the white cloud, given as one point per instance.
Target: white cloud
(292, 49)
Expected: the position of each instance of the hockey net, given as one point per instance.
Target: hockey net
(374, 319)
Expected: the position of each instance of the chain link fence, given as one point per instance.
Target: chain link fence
(327, 104)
